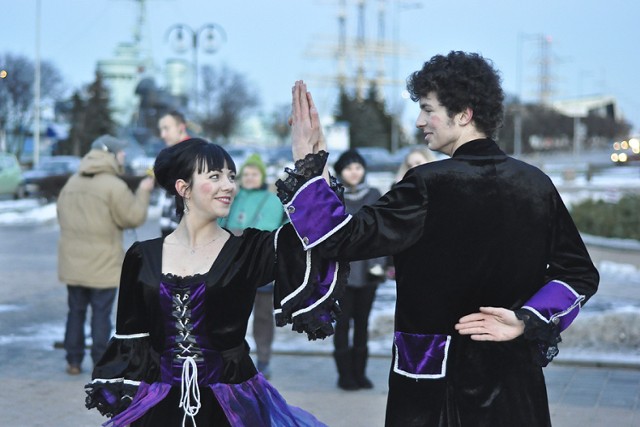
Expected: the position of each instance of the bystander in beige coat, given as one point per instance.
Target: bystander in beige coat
(94, 207)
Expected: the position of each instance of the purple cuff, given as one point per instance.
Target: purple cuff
(316, 212)
(421, 356)
(556, 302)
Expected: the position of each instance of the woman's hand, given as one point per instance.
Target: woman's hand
(306, 132)
(491, 324)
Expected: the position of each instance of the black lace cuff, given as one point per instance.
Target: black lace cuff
(109, 398)
(305, 169)
(546, 335)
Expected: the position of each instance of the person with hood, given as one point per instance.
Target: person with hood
(257, 207)
(366, 275)
(94, 206)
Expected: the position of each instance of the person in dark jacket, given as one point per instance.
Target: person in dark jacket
(365, 276)
(490, 267)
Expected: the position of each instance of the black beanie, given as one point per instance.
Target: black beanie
(346, 158)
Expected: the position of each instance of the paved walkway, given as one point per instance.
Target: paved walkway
(36, 392)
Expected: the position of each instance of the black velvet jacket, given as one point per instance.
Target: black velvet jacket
(479, 229)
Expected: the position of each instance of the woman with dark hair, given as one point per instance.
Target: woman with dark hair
(179, 350)
(365, 276)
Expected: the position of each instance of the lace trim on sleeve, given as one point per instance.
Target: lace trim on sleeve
(110, 398)
(546, 335)
(127, 363)
(305, 169)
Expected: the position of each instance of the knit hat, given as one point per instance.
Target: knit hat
(346, 158)
(108, 143)
(256, 161)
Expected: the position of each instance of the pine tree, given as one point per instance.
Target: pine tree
(369, 123)
(72, 145)
(89, 119)
(97, 120)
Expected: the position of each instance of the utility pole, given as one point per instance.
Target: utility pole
(545, 90)
(517, 117)
(544, 82)
(36, 107)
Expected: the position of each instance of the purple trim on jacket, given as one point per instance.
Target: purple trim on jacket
(555, 302)
(316, 212)
(421, 356)
(325, 287)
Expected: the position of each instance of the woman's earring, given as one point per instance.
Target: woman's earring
(186, 206)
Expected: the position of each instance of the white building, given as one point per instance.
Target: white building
(121, 75)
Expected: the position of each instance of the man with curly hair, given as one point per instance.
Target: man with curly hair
(490, 267)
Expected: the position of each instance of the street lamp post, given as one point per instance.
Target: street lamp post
(214, 36)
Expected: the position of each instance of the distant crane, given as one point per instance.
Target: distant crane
(361, 61)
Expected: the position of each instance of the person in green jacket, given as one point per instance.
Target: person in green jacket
(257, 207)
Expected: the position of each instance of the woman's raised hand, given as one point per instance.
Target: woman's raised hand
(306, 132)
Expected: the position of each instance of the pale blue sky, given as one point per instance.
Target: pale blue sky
(594, 49)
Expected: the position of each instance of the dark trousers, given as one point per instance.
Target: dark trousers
(356, 304)
(263, 325)
(101, 301)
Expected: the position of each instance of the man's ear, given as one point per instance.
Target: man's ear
(465, 117)
(182, 188)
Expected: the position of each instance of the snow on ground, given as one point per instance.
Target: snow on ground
(34, 212)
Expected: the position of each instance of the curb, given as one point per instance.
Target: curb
(616, 361)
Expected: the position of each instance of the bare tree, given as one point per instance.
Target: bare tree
(17, 96)
(279, 122)
(227, 96)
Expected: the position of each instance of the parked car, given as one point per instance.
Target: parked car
(626, 152)
(10, 175)
(47, 179)
(378, 159)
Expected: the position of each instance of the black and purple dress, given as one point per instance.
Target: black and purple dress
(179, 356)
